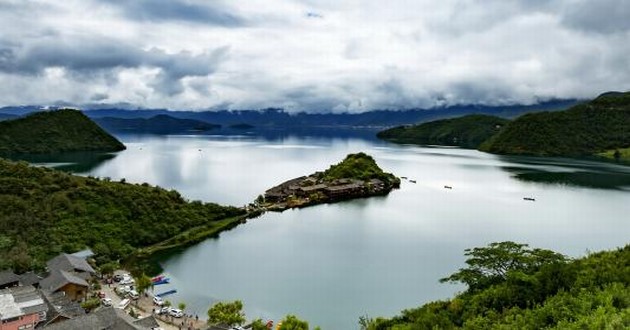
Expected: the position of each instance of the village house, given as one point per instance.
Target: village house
(74, 287)
(72, 264)
(107, 318)
(8, 279)
(21, 308)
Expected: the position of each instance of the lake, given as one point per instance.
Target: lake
(331, 264)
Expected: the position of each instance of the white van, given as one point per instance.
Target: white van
(124, 303)
(133, 294)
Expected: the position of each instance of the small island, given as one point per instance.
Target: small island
(357, 176)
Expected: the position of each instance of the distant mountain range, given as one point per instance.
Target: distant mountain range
(160, 124)
(281, 118)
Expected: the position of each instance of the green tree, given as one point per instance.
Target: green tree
(490, 265)
(291, 322)
(181, 306)
(143, 283)
(228, 313)
(167, 303)
(258, 324)
(108, 268)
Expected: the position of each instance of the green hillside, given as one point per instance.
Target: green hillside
(54, 132)
(160, 124)
(359, 166)
(512, 286)
(44, 212)
(467, 131)
(586, 129)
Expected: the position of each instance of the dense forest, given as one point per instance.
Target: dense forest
(44, 212)
(586, 129)
(53, 132)
(512, 286)
(468, 131)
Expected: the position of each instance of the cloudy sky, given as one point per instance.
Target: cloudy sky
(312, 55)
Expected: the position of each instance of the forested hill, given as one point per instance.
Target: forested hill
(160, 124)
(586, 129)
(468, 131)
(44, 212)
(53, 132)
(512, 286)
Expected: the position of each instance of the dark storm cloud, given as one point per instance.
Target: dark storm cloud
(87, 57)
(602, 16)
(210, 13)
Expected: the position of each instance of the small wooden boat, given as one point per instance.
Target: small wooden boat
(412, 181)
(448, 187)
(165, 280)
(529, 199)
(166, 293)
(157, 278)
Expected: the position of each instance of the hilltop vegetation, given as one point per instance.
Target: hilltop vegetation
(468, 131)
(511, 286)
(54, 132)
(44, 212)
(586, 129)
(359, 166)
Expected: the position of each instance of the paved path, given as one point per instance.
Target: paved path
(144, 307)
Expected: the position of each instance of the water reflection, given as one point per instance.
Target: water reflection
(569, 172)
(76, 162)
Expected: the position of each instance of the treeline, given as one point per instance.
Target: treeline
(586, 129)
(44, 212)
(600, 127)
(359, 166)
(468, 131)
(54, 132)
(511, 286)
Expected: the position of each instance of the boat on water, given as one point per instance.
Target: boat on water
(529, 199)
(157, 278)
(164, 280)
(448, 187)
(166, 293)
(412, 181)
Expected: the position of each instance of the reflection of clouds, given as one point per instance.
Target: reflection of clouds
(288, 146)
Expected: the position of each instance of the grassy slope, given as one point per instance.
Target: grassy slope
(467, 131)
(586, 129)
(589, 293)
(55, 131)
(45, 211)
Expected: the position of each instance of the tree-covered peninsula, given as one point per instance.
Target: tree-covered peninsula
(356, 176)
(54, 132)
(44, 212)
(513, 286)
(467, 131)
(601, 126)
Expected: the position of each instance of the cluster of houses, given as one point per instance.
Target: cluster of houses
(52, 302)
(309, 187)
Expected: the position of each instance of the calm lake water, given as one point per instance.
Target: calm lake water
(330, 264)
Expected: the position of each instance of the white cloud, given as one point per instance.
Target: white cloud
(311, 55)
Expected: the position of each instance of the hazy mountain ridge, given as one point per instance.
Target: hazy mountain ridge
(279, 117)
(159, 124)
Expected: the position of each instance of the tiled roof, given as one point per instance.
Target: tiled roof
(69, 263)
(57, 279)
(8, 277)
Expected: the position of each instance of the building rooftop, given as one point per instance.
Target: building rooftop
(69, 263)
(7, 277)
(18, 301)
(57, 279)
(106, 318)
(83, 254)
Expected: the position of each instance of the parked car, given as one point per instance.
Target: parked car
(118, 277)
(175, 312)
(164, 310)
(127, 280)
(124, 303)
(101, 294)
(133, 294)
(123, 289)
(158, 301)
(106, 302)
